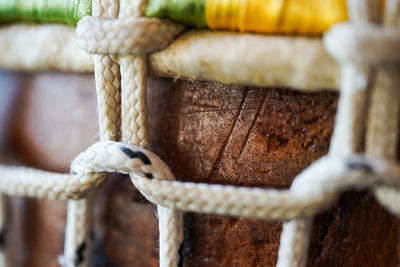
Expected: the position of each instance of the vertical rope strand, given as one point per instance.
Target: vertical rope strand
(295, 237)
(170, 223)
(135, 130)
(3, 230)
(77, 242)
(77, 248)
(392, 14)
(107, 77)
(294, 243)
(350, 115)
(133, 100)
(382, 135)
(133, 86)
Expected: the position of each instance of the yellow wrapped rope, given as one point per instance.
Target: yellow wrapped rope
(263, 16)
(275, 16)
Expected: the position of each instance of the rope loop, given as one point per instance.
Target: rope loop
(363, 43)
(124, 36)
(119, 28)
(111, 156)
(312, 191)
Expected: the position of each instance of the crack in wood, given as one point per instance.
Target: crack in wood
(221, 152)
(253, 123)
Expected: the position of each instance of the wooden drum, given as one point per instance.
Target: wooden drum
(241, 106)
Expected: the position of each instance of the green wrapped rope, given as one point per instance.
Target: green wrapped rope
(44, 11)
(190, 12)
(262, 16)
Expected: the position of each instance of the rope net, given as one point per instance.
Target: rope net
(120, 72)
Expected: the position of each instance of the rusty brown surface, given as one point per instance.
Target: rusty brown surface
(206, 132)
(240, 136)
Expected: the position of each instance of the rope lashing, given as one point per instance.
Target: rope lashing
(110, 156)
(107, 81)
(22, 181)
(350, 119)
(44, 11)
(135, 130)
(272, 16)
(363, 43)
(130, 109)
(125, 36)
(311, 192)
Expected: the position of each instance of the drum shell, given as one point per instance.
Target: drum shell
(207, 132)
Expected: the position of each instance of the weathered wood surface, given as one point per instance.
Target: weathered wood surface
(206, 132)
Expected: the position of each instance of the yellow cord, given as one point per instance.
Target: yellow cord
(275, 16)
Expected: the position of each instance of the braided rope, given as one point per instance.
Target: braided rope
(383, 129)
(133, 83)
(294, 243)
(312, 189)
(105, 8)
(344, 42)
(3, 227)
(311, 192)
(134, 112)
(293, 249)
(107, 76)
(77, 238)
(21, 181)
(133, 104)
(77, 242)
(125, 36)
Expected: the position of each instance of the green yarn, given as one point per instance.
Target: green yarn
(190, 12)
(44, 11)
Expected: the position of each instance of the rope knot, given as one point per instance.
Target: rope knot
(124, 36)
(110, 156)
(363, 43)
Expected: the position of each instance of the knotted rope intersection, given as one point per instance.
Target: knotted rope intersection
(119, 35)
(311, 191)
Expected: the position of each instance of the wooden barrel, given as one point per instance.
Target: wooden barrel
(207, 132)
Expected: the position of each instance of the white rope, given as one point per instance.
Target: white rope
(345, 141)
(348, 128)
(135, 129)
(4, 250)
(312, 189)
(382, 135)
(299, 62)
(21, 181)
(124, 36)
(77, 236)
(362, 11)
(77, 248)
(363, 43)
(105, 8)
(360, 46)
(294, 243)
(45, 47)
(392, 11)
